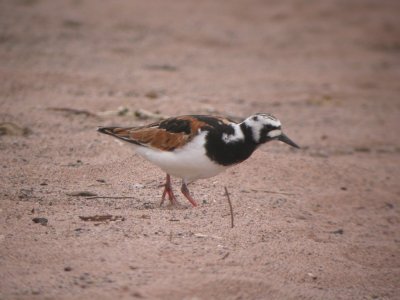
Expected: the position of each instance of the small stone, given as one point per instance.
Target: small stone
(152, 95)
(35, 292)
(362, 149)
(41, 221)
(67, 269)
(314, 277)
(389, 205)
(137, 295)
(162, 67)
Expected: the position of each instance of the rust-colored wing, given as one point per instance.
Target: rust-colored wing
(167, 135)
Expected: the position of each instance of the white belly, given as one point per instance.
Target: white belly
(189, 162)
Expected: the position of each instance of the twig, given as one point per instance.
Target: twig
(225, 255)
(273, 192)
(230, 205)
(102, 218)
(73, 111)
(108, 197)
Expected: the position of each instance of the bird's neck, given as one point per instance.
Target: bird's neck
(232, 146)
(251, 135)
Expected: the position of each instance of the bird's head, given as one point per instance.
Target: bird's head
(265, 128)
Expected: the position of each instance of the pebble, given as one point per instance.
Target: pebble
(314, 277)
(339, 231)
(41, 221)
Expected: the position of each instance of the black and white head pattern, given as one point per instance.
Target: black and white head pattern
(263, 127)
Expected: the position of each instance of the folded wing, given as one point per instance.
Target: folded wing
(166, 135)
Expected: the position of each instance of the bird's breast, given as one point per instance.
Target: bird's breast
(189, 162)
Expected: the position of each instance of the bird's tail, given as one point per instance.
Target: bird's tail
(106, 130)
(118, 132)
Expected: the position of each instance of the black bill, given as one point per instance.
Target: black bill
(285, 139)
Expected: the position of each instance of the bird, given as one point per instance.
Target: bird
(193, 147)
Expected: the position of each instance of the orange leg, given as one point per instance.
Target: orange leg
(186, 193)
(168, 191)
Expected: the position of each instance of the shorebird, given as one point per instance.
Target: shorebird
(194, 147)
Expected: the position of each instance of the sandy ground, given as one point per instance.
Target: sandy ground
(318, 223)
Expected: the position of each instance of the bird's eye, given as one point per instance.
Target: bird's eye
(255, 118)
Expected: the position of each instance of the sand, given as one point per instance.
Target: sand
(317, 223)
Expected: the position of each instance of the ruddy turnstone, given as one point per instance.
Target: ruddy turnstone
(192, 147)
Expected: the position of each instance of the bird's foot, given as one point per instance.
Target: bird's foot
(168, 191)
(186, 193)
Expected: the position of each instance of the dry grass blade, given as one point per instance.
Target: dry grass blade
(230, 205)
(73, 111)
(101, 218)
(110, 197)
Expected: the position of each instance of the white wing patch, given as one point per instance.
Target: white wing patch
(238, 135)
